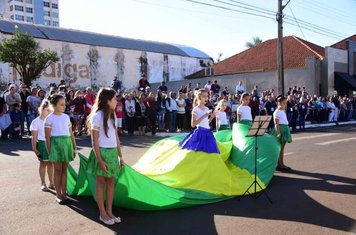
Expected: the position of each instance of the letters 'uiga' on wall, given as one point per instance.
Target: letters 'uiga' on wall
(143, 64)
(120, 64)
(93, 56)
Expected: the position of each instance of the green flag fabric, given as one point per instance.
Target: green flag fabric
(168, 177)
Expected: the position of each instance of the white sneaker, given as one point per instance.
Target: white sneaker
(44, 188)
(107, 222)
(116, 219)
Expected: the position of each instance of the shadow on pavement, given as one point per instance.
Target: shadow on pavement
(290, 203)
(11, 147)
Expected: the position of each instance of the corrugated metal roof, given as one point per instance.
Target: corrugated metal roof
(193, 52)
(76, 36)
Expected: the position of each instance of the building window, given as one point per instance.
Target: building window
(47, 22)
(55, 23)
(29, 19)
(55, 5)
(18, 8)
(46, 13)
(29, 10)
(12, 17)
(19, 0)
(46, 4)
(20, 18)
(11, 7)
(55, 14)
(29, 1)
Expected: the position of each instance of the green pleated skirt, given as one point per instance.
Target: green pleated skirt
(110, 157)
(285, 137)
(41, 147)
(246, 122)
(223, 127)
(61, 149)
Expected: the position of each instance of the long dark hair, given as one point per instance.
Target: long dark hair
(101, 104)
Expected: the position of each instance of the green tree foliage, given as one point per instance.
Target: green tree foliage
(25, 55)
(255, 42)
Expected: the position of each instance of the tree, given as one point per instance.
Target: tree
(255, 42)
(24, 54)
(218, 59)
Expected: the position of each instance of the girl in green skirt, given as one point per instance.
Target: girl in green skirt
(281, 130)
(60, 145)
(221, 118)
(244, 114)
(39, 146)
(105, 160)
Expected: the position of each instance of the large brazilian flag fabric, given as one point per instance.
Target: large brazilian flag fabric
(168, 177)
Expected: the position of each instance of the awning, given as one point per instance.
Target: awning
(344, 81)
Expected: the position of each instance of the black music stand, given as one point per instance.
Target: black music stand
(258, 128)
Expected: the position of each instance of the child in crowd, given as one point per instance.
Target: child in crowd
(60, 144)
(201, 139)
(103, 160)
(78, 104)
(119, 112)
(281, 130)
(39, 146)
(244, 115)
(221, 117)
(16, 118)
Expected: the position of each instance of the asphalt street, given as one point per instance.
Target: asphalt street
(317, 197)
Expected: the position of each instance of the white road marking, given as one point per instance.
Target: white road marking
(336, 141)
(315, 136)
(289, 153)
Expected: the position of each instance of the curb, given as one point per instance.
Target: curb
(308, 126)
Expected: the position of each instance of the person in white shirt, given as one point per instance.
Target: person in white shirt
(331, 106)
(12, 97)
(130, 108)
(281, 131)
(221, 117)
(180, 111)
(60, 143)
(201, 139)
(171, 107)
(244, 115)
(207, 86)
(39, 146)
(239, 88)
(105, 160)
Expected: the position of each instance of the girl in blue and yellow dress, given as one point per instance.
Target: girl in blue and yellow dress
(201, 139)
(281, 131)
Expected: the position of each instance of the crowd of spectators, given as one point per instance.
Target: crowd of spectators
(143, 110)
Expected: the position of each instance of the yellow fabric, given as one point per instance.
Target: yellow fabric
(166, 163)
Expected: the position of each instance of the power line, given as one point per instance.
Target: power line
(267, 14)
(306, 24)
(340, 17)
(296, 21)
(226, 8)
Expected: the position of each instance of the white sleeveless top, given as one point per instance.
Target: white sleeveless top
(198, 112)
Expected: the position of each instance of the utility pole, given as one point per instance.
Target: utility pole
(280, 62)
(280, 65)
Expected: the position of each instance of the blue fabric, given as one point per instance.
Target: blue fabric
(200, 139)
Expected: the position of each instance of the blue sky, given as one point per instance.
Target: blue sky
(210, 29)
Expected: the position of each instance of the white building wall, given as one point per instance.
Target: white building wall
(333, 55)
(75, 67)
